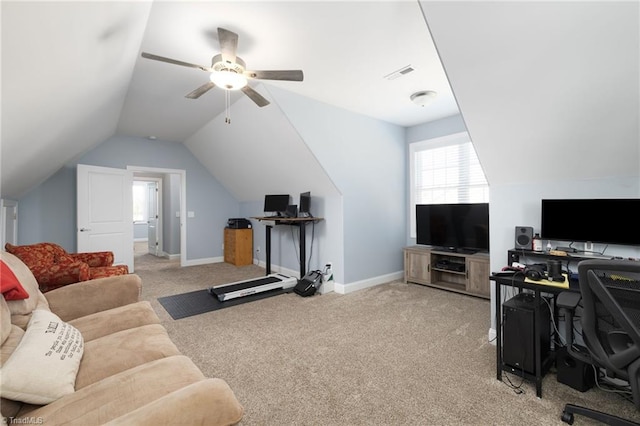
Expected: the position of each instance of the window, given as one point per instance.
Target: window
(445, 170)
(140, 201)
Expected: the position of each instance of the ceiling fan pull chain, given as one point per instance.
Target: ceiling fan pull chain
(227, 107)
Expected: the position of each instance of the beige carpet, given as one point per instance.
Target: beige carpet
(395, 354)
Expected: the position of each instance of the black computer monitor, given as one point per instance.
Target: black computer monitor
(305, 203)
(276, 203)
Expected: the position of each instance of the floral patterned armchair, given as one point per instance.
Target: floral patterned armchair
(53, 267)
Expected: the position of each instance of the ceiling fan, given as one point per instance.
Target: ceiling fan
(229, 72)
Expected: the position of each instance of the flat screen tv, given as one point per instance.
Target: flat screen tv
(608, 221)
(455, 227)
(276, 203)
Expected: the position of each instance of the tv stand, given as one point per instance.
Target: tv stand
(466, 273)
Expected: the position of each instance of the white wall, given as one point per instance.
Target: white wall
(550, 94)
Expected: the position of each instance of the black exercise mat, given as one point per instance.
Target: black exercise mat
(200, 301)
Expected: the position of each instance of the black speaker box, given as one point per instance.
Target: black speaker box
(573, 372)
(519, 343)
(524, 237)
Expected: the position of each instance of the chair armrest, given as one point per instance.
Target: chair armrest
(94, 259)
(568, 300)
(88, 297)
(209, 402)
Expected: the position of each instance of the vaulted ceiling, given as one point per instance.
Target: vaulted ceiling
(548, 90)
(73, 75)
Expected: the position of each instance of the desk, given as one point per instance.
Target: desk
(519, 281)
(300, 222)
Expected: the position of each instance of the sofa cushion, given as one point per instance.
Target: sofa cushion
(120, 393)
(44, 366)
(27, 281)
(9, 285)
(10, 408)
(117, 319)
(5, 320)
(114, 353)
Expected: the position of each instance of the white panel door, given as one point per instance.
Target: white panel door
(105, 212)
(152, 223)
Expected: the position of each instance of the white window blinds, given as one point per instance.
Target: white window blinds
(445, 170)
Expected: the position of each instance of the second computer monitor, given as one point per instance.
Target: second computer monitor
(305, 204)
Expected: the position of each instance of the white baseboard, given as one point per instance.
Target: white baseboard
(277, 268)
(203, 261)
(172, 256)
(369, 282)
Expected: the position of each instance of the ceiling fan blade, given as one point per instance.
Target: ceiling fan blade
(255, 96)
(228, 44)
(291, 75)
(175, 62)
(201, 90)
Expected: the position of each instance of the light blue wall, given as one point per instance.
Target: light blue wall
(435, 129)
(140, 231)
(48, 213)
(365, 158)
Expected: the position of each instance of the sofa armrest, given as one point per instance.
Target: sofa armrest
(94, 259)
(88, 297)
(207, 402)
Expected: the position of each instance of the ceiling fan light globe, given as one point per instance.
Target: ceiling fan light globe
(424, 98)
(228, 80)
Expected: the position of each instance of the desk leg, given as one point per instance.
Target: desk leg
(538, 348)
(268, 248)
(303, 250)
(498, 309)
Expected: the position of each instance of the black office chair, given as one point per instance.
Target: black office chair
(610, 293)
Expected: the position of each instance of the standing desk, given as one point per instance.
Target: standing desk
(300, 222)
(541, 365)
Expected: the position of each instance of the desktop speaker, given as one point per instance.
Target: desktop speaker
(573, 372)
(519, 343)
(524, 237)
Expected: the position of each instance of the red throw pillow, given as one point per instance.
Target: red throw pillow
(9, 284)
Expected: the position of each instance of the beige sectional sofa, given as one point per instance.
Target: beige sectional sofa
(91, 353)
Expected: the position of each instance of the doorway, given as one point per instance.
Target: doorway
(148, 214)
(164, 231)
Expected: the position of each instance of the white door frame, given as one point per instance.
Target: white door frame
(8, 215)
(183, 203)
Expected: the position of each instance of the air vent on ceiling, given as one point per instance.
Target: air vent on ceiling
(399, 73)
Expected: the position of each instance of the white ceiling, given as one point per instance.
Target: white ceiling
(72, 75)
(548, 90)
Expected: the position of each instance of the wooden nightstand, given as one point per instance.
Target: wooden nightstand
(238, 246)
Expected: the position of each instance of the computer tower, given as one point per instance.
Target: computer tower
(518, 347)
